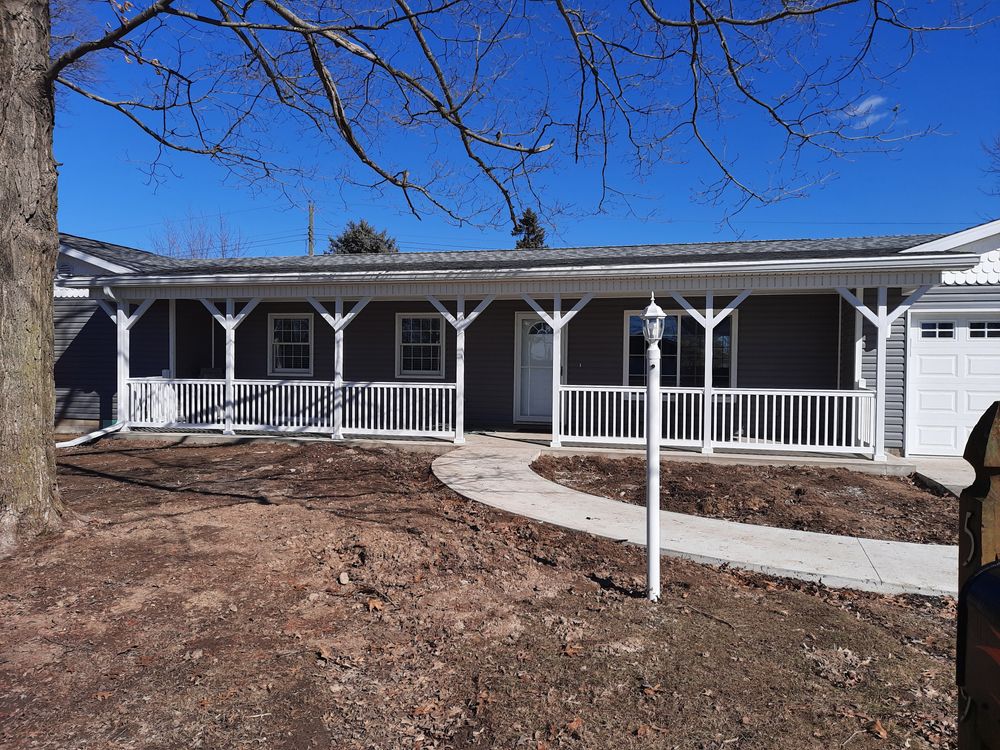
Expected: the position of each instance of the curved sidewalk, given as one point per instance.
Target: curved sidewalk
(497, 472)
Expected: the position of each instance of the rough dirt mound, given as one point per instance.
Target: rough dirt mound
(283, 596)
(827, 500)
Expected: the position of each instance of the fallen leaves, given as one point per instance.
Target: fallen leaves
(878, 730)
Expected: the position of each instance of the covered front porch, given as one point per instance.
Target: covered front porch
(405, 367)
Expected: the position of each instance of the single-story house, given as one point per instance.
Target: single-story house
(858, 345)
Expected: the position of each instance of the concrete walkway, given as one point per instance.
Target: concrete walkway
(953, 474)
(497, 472)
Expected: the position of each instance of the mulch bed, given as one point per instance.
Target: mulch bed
(281, 596)
(827, 500)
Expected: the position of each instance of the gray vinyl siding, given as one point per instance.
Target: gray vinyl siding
(149, 342)
(960, 298)
(85, 361)
(788, 341)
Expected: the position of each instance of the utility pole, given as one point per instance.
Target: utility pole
(312, 233)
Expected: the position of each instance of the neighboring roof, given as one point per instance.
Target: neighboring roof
(143, 263)
(129, 258)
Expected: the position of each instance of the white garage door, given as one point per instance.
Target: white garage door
(955, 377)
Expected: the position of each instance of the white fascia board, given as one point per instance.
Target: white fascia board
(93, 260)
(950, 262)
(958, 239)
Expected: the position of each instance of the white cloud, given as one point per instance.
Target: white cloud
(867, 112)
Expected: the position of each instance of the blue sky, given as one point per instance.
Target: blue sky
(936, 183)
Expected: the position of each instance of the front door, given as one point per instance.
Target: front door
(533, 376)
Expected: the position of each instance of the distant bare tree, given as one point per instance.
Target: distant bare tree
(993, 165)
(475, 98)
(196, 237)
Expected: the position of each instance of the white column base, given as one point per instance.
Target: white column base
(459, 440)
(707, 449)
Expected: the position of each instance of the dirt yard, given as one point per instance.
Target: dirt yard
(280, 596)
(833, 501)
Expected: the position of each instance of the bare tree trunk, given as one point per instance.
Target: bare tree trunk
(29, 241)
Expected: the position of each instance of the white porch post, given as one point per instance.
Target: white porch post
(882, 319)
(172, 335)
(123, 324)
(460, 371)
(460, 322)
(338, 370)
(230, 362)
(338, 322)
(881, 348)
(709, 320)
(121, 319)
(556, 371)
(230, 322)
(706, 425)
(557, 321)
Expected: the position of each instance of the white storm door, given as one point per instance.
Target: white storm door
(533, 371)
(956, 376)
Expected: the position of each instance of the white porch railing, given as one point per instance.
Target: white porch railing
(758, 419)
(404, 409)
(617, 415)
(784, 420)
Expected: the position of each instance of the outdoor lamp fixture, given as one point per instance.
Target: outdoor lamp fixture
(652, 329)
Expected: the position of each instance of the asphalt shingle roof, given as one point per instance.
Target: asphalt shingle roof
(703, 252)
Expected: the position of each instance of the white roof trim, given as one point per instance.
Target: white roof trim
(955, 261)
(71, 252)
(952, 241)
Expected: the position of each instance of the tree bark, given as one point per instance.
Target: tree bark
(29, 243)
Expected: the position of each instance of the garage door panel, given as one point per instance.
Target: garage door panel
(955, 377)
(983, 365)
(938, 365)
(940, 437)
(928, 400)
(977, 402)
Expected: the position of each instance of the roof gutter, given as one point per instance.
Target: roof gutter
(950, 262)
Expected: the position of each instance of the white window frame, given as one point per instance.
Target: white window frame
(989, 329)
(681, 314)
(953, 331)
(422, 375)
(273, 371)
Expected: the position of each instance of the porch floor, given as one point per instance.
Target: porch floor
(496, 472)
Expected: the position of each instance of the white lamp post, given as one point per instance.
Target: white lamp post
(652, 329)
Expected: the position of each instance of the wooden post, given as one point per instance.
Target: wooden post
(979, 503)
(978, 546)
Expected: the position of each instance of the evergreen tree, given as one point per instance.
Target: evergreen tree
(530, 234)
(361, 238)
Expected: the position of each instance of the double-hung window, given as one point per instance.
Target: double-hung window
(290, 336)
(682, 352)
(419, 345)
